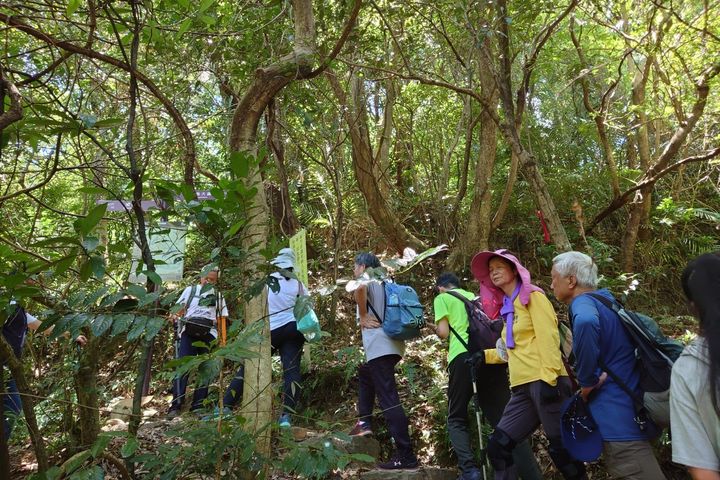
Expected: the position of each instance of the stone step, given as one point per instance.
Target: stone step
(421, 473)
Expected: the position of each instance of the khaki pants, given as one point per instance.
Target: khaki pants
(631, 460)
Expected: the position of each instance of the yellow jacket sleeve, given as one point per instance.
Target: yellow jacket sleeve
(547, 335)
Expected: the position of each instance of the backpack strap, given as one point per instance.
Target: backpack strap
(641, 413)
(372, 309)
(466, 302)
(190, 297)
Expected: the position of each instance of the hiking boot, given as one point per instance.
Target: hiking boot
(361, 429)
(398, 462)
(284, 421)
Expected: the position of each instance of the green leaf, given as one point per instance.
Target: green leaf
(74, 462)
(235, 228)
(61, 266)
(137, 329)
(109, 122)
(94, 296)
(121, 323)
(240, 164)
(205, 5)
(100, 324)
(154, 325)
(72, 7)
(94, 472)
(97, 264)
(86, 270)
(184, 27)
(100, 444)
(153, 276)
(136, 291)
(130, 447)
(86, 224)
(184, 3)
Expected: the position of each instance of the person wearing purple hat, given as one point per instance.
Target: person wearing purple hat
(538, 379)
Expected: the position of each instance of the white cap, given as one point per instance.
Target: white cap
(285, 259)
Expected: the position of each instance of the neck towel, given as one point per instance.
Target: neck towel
(508, 312)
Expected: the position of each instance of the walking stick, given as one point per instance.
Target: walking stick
(478, 418)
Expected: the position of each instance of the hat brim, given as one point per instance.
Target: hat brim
(583, 445)
(479, 264)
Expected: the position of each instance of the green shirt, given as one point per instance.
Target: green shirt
(453, 310)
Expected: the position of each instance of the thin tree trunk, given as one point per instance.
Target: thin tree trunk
(289, 223)
(7, 357)
(478, 227)
(365, 172)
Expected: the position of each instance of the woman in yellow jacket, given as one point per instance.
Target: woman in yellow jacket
(531, 347)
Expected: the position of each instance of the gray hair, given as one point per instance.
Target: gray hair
(580, 266)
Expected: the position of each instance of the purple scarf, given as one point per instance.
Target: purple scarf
(508, 313)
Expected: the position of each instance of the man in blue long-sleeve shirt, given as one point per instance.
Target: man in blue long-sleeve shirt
(599, 337)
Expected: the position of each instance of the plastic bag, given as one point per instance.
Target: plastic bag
(307, 321)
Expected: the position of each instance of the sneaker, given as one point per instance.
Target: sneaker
(361, 429)
(226, 412)
(397, 462)
(172, 413)
(284, 421)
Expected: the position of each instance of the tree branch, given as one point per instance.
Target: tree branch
(647, 182)
(15, 112)
(190, 156)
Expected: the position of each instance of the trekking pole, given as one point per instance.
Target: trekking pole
(478, 418)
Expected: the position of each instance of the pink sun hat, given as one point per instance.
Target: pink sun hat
(492, 296)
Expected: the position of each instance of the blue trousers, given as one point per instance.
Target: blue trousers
(11, 406)
(186, 348)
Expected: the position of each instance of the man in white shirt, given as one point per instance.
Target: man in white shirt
(196, 322)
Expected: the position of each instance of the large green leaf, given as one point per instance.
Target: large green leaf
(86, 224)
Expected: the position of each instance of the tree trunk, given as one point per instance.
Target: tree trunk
(268, 81)
(366, 170)
(86, 387)
(287, 220)
(476, 236)
(7, 357)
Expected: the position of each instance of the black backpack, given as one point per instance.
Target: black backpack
(14, 330)
(655, 353)
(483, 333)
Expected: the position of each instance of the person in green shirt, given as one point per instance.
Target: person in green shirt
(493, 386)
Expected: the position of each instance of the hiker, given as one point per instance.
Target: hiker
(15, 332)
(377, 375)
(538, 378)
(695, 381)
(284, 336)
(492, 380)
(195, 322)
(601, 344)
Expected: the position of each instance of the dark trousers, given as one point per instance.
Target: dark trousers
(11, 406)
(493, 395)
(287, 341)
(186, 348)
(526, 411)
(377, 379)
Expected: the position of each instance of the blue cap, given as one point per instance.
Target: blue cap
(580, 434)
